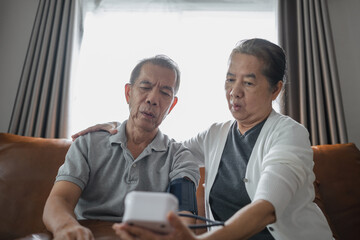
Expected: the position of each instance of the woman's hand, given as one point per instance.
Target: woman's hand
(180, 231)
(109, 127)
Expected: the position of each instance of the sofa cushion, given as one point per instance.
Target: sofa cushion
(337, 186)
(28, 167)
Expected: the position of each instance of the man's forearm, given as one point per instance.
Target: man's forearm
(60, 205)
(58, 214)
(59, 217)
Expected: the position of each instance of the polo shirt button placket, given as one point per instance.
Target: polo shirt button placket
(133, 173)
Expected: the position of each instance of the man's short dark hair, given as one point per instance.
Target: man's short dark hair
(158, 60)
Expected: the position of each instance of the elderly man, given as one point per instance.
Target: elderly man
(100, 168)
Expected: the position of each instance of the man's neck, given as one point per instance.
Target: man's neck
(138, 139)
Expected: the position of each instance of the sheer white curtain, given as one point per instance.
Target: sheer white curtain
(198, 36)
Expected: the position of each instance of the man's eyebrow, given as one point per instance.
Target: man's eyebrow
(168, 88)
(251, 75)
(163, 87)
(145, 82)
(229, 74)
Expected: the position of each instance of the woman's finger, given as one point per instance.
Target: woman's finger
(132, 232)
(181, 231)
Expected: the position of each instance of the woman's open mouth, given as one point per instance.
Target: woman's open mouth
(235, 107)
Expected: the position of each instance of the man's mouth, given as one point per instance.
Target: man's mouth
(148, 114)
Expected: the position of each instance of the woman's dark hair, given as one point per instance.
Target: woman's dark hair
(269, 53)
(159, 60)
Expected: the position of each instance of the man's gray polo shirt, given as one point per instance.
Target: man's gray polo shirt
(102, 166)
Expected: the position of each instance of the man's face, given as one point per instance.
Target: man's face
(248, 91)
(151, 97)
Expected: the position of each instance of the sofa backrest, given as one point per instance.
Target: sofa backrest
(28, 167)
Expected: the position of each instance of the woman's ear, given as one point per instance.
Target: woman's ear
(127, 92)
(277, 90)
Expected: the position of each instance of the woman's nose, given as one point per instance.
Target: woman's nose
(237, 90)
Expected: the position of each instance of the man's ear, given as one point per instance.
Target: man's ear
(173, 104)
(127, 92)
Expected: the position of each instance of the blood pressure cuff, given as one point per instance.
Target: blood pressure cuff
(185, 191)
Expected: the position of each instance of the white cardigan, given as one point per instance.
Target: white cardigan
(280, 170)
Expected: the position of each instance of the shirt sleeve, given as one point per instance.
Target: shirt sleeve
(184, 164)
(75, 168)
(196, 147)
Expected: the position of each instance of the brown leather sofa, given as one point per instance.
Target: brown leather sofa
(29, 165)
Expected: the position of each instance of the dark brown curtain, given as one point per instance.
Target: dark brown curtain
(41, 104)
(312, 93)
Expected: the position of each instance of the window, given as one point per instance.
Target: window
(199, 40)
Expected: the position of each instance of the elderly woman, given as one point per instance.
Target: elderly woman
(259, 176)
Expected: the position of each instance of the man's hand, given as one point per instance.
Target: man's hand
(74, 232)
(109, 127)
(180, 231)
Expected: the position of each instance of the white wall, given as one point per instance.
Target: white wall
(16, 21)
(17, 17)
(345, 19)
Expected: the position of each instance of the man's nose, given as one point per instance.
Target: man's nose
(237, 90)
(152, 98)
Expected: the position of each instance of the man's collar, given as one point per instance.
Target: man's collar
(120, 136)
(160, 142)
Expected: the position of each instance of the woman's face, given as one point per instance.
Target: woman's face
(248, 91)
